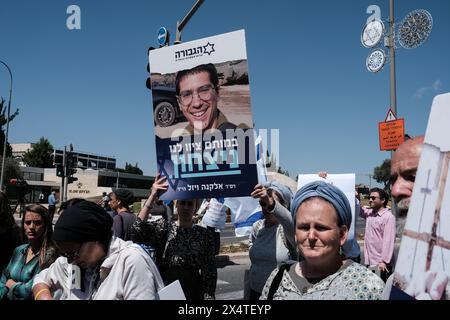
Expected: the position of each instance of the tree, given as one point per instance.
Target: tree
(40, 155)
(129, 168)
(12, 170)
(382, 174)
(3, 120)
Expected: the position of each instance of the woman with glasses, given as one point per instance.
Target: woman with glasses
(29, 259)
(94, 265)
(184, 251)
(322, 218)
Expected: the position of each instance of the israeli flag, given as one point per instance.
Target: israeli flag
(246, 210)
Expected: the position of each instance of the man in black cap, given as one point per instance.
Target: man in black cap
(120, 201)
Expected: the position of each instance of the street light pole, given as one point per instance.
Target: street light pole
(393, 81)
(182, 24)
(7, 125)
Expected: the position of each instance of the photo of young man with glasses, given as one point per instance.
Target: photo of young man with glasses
(197, 91)
(379, 239)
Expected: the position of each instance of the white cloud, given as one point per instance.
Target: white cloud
(421, 92)
(437, 85)
(433, 88)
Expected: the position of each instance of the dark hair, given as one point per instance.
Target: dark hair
(6, 215)
(46, 241)
(69, 203)
(209, 68)
(383, 195)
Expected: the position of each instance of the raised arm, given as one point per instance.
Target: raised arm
(159, 186)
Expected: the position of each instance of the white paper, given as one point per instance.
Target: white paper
(216, 215)
(431, 187)
(173, 291)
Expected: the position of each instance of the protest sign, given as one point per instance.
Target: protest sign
(203, 121)
(422, 270)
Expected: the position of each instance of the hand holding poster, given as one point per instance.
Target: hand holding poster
(203, 121)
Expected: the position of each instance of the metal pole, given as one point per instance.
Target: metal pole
(117, 181)
(393, 83)
(393, 87)
(61, 191)
(7, 126)
(182, 24)
(66, 179)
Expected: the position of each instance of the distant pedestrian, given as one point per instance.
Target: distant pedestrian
(120, 201)
(379, 239)
(52, 201)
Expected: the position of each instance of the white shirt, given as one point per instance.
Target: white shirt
(128, 273)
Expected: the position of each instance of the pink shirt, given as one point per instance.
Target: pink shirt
(379, 239)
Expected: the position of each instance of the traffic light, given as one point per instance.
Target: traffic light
(71, 167)
(60, 170)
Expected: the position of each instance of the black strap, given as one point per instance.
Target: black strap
(277, 280)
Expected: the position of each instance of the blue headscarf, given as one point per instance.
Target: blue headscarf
(282, 190)
(328, 192)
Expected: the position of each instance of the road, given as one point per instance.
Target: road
(230, 276)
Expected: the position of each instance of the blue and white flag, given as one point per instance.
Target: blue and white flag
(246, 210)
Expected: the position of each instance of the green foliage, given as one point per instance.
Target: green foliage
(12, 170)
(3, 120)
(129, 168)
(382, 174)
(40, 155)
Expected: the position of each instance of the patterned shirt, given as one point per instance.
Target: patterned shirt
(22, 273)
(191, 248)
(351, 282)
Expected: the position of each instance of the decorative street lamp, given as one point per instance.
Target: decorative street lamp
(7, 125)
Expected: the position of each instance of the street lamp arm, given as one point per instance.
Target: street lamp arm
(182, 24)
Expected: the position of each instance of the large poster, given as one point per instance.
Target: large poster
(423, 266)
(203, 120)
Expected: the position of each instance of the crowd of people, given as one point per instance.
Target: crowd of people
(301, 249)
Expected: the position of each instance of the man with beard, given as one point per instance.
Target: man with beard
(403, 174)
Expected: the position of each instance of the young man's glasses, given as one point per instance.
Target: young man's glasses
(373, 197)
(204, 93)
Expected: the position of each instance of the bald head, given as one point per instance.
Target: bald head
(403, 172)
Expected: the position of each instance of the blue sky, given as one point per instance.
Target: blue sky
(306, 65)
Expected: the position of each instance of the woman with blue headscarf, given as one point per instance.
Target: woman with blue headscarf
(272, 239)
(322, 218)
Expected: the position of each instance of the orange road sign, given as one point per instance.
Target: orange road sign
(392, 134)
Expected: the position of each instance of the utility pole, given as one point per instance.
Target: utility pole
(62, 186)
(182, 24)
(66, 178)
(393, 83)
